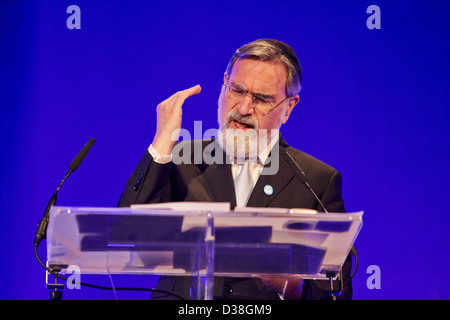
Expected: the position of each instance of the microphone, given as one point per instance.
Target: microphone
(41, 231)
(81, 155)
(304, 179)
(301, 175)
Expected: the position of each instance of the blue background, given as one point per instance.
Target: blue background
(374, 105)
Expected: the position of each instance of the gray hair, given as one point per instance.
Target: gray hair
(273, 51)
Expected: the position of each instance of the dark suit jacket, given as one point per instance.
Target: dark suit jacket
(152, 182)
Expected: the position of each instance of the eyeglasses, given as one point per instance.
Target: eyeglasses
(260, 101)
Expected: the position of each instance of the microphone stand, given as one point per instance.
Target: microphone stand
(301, 175)
(41, 231)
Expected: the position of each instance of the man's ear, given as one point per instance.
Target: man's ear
(292, 103)
(225, 78)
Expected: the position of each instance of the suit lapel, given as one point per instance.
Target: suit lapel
(270, 184)
(220, 174)
(277, 180)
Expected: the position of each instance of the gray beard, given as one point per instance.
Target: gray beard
(239, 145)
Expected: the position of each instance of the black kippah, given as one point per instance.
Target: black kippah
(289, 53)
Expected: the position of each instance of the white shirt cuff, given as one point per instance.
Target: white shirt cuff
(157, 157)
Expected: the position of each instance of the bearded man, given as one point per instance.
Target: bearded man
(260, 89)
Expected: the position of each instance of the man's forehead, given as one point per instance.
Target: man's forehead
(262, 75)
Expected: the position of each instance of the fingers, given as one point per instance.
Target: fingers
(175, 102)
(183, 95)
(169, 118)
(194, 90)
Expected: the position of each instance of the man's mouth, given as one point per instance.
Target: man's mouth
(243, 125)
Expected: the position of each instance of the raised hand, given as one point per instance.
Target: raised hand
(169, 118)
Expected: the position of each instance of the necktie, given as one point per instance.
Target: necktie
(243, 185)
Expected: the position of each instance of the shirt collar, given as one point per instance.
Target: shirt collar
(263, 153)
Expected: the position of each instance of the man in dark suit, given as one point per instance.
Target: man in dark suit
(260, 89)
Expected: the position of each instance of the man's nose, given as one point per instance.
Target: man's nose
(245, 107)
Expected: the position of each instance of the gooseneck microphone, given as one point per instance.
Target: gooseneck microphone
(301, 175)
(81, 155)
(41, 231)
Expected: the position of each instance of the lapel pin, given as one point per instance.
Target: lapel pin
(268, 190)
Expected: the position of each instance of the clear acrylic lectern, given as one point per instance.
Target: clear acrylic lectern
(201, 240)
